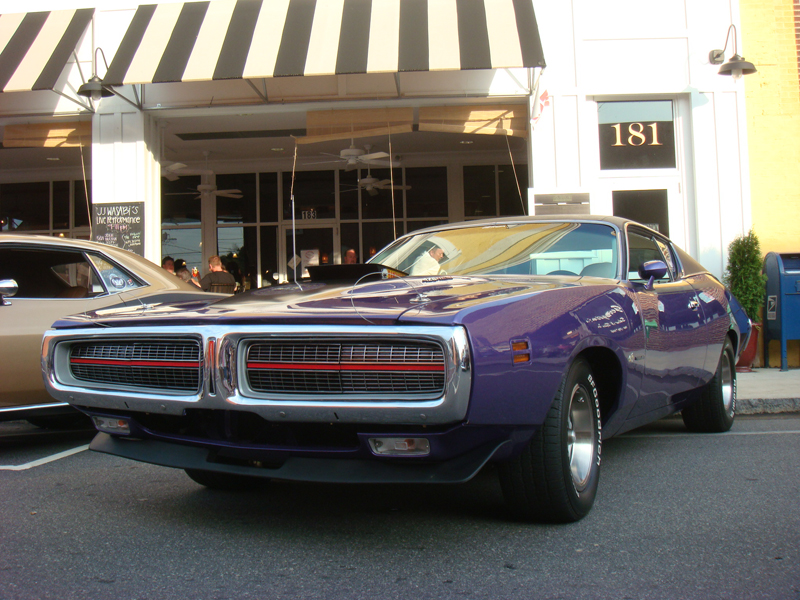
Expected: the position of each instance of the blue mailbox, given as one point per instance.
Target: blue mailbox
(782, 302)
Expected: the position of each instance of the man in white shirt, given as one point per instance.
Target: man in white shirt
(428, 263)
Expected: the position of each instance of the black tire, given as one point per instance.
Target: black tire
(715, 410)
(226, 481)
(555, 478)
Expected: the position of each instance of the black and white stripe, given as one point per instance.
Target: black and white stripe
(35, 47)
(234, 39)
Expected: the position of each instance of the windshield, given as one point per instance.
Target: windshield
(512, 249)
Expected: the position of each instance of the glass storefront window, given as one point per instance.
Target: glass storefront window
(480, 195)
(348, 194)
(237, 247)
(349, 240)
(82, 208)
(376, 202)
(414, 225)
(427, 193)
(513, 199)
(314, 246)
(180, 201)
(269, 254)
(185, 243)
(487, 187)
(61, 204)
(377, 235)
(268, 196)
(314, 195)
(25, 206)
(237, 210)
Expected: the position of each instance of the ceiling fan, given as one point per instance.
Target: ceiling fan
(373, 184)
(203, 188)
(355, 157)
(175, 170)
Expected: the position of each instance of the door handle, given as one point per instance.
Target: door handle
(694, 304)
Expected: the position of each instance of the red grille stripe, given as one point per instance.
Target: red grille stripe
(346, 367)
(135, 363)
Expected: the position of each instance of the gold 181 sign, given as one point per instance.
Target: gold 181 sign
(637, 145)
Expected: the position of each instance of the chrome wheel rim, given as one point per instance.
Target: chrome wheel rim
(727, 383)
(581, 436)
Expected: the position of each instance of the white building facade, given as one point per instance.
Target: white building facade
(363, 120)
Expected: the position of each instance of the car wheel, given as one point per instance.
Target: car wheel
(555, 478)
(715, 410)
(226, 481)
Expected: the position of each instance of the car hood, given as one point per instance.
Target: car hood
(440, 300)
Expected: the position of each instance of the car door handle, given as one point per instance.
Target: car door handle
(694, 304)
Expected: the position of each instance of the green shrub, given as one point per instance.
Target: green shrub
(743, 274)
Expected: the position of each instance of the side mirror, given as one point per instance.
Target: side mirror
(8, 287)
(652, 270)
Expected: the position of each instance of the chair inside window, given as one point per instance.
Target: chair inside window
(222, 288)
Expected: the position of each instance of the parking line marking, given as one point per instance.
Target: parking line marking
(727, 433)
(45, 460)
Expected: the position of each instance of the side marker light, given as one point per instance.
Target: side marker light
(389, 446)
(112, 425)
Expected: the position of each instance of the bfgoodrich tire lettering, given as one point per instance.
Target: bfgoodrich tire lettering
(555, 478)
(715, 410)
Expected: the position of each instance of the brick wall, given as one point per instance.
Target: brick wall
(769, 39)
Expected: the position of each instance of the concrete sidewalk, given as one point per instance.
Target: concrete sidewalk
(767, 391)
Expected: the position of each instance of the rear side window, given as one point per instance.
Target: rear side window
(114, 278)
(44, 273)
(49, 273)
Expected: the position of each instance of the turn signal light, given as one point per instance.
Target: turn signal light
(112, 425)
(389, 446)
(520, 350)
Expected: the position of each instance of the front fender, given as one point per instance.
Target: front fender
(557, 327)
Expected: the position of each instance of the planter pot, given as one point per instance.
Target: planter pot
(748, 355)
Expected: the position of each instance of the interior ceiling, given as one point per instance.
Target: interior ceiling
(265, 137)
(262, 137)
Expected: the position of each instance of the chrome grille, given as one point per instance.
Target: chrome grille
(168, 365)
(346, 367)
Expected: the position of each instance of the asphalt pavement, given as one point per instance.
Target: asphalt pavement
(678, 516)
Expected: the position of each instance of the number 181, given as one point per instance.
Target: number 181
(637, 135)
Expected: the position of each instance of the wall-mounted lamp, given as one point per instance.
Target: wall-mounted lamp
(94, 88)
(737, 65)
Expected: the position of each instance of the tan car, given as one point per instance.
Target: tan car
(45, 278)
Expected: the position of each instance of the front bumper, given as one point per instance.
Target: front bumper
(300, 468)
(223, 381)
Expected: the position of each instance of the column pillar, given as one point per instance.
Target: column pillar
(126, 179)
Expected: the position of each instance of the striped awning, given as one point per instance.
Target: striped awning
(251, 39)
(35, 47)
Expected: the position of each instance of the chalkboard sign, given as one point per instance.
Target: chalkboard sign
(120, 224)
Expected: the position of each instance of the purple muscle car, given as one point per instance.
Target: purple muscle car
(522, 342)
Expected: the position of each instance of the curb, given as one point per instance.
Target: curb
(767, 406)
